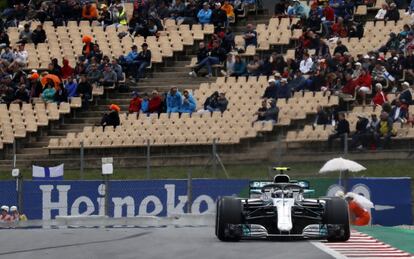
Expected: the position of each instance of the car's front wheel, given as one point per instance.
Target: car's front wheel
(229, 211)
(337, 215)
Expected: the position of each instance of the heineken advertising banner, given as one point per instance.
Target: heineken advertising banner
(46, 199)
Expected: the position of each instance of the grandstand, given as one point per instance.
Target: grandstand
(49, 132)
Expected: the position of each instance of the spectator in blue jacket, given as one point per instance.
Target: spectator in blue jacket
(174, 100)
(284, 90)
(130, 61)
(145, 104)
(71, 87)
(204, 15)
(239, 67)
(189, 103)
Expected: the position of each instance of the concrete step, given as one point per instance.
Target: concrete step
(35, 151)
(72, 126)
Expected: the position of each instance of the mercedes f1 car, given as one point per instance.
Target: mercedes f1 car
(280, 209)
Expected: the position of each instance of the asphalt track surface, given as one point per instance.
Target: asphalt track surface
(168, 242)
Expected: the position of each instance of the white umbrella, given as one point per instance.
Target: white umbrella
(341, 165)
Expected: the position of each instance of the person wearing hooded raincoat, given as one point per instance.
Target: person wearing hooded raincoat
(174, 100)
(112, 118)
(359, 207)
(49, 92)
(189, 103)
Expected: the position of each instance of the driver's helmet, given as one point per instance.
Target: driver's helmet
(281, 178)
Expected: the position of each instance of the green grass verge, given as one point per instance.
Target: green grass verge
(259, 171)
(402, 239)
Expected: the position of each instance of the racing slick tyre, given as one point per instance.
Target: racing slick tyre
(336, 213)
(229, 211)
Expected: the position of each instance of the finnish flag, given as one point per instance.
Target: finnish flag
(47, 173)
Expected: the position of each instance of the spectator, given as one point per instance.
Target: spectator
(89, 12)
(280, 9)
(4, 216)
(21, 95)
(145, 103)
(35, 86)
(362, 135)
(130, 61)
(84, 90)
(218, 16)
(399, 113)
(405, 95)
(230, 62)
(204, 15)
(144, 60)
(392, 14)
(188, 104)
(328, 19)
(228, 43)
(54, 68)
(25, 35)
(155, 103)
(66, 71)
(16, 216)
(71, 87)
(341, 131)
(364, 82)
(380, 97)
(135, 103)
(384, 131)
(239, 67)
(217, 55)
(261, 111)
(20, 56)
(297, 9)
(339, 28)
(250, 36)
(4, 39)
(61, 94)
(272, 113)
(381, 12)
(174, 100)
(7, 55)
(118, 69)
(228, 8)
(322, 117)
(254, 66)
(357, 71)
(109, 77)
(283, 91)
(340, 48)
(119, 16)
(222, 103)
(379, 73)
(94, 75)
(105, 17)
(211, 102)
(298, 82)
(393, 43)
(111, 119)
(48, 94)
(39, 35)
(271, 90)
(87, 49)
(306, 64)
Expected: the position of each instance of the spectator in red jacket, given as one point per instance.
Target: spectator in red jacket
(364, 83)
(339, 29)
(328, 19)
(155, 103)
(67, 70)
(380, 97)
(135, 103)
(350, 85)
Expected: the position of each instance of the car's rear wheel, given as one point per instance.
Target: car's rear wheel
(336, 213)
(229, 211)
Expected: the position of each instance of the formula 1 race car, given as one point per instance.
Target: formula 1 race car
(280, 209)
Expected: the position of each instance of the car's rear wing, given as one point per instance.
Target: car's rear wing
(255, 187)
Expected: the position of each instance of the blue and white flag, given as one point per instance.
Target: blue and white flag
(47, 173)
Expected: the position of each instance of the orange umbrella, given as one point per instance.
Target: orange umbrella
(114, 107)
(54, 78)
